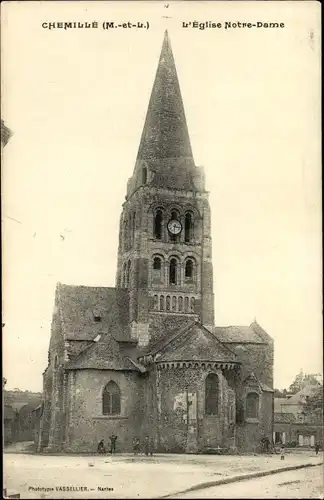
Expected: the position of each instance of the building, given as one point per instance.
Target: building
(5, 134)
(19, 418)
(145, 357)
(293, 425)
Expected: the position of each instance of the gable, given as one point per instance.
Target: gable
(196, 343)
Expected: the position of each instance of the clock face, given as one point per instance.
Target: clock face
(174, 226)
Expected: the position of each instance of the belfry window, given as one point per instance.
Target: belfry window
(252, 405)
(189, 270)
(173, 272)
(111, 399)
(157, 269)
(158, 221)
(188, 227)
(211, 394)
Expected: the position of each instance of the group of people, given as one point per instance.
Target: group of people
(102, 448)
(147, 448)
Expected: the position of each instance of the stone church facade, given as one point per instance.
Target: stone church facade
(145, 357)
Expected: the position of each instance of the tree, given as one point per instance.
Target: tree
(302, 381)
(314, 401)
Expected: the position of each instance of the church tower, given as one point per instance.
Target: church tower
(165, 251)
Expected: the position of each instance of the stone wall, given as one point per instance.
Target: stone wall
(250, 431)
(88, 425)
(182, 427)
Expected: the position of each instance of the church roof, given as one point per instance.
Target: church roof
(242, 334)
(165, 147)
(194, 342)
(165, 133)
(78, 306)
(103, 355)
(89, 313)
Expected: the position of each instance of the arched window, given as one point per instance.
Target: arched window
(189, 270)
(158, 221)
(192, 304)
(111, 399)
(130, 230)
(128, 273)
(162, 303)
(155, 303)
(157, 270)
(173, 271)
(174, 303)
(124, 235)
(133, 227)
(252, 405)
(186, 304)
(124, 277)
(144, 175)
(180, 304)
(188, 227)
(211, 394)
(168, 303)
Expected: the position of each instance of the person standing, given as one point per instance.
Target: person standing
(136, 445)
(282, 452)
(146, 446)
(317, 447)
(151, 447)
(113, 439)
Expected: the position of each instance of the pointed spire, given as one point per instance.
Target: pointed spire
(165, 134)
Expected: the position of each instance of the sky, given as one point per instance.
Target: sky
(76, 103)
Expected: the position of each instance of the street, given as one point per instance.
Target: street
(302, 483)
(126, 476)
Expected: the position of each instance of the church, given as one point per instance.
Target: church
(146, 357)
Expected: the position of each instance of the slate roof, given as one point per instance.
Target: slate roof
(265, 388)
(102, 355)
(77, 305)
(242, 334)
(284, 418)
(178, 346)
(165, 133)
(298, 398)
(8, 413)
